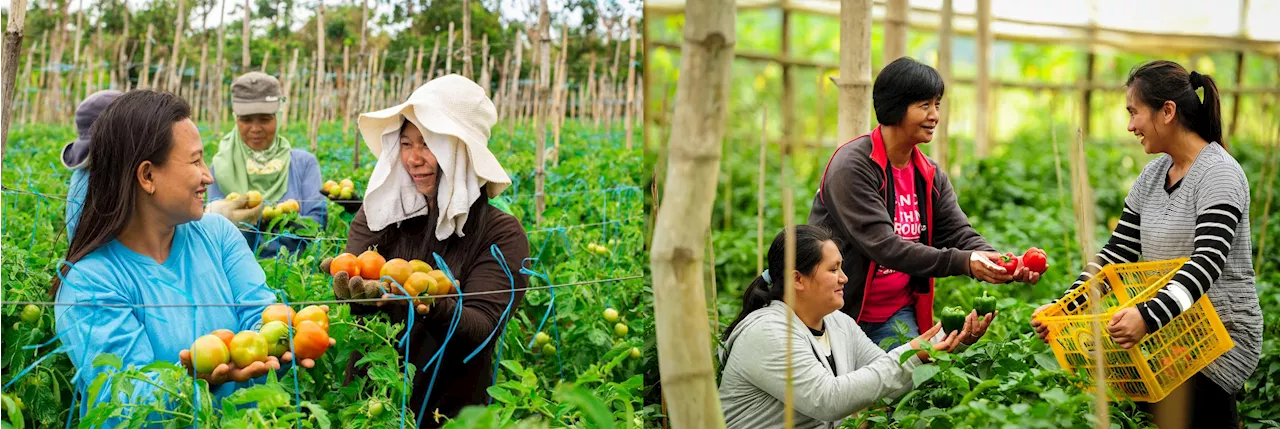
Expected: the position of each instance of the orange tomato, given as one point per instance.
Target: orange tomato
(443, 286)
(310, 340)
(345, 262)
(225, 334)
(314, 314)
(419, 266)
(280, 312)
(371, 262)
(418, 283)
(398, 269)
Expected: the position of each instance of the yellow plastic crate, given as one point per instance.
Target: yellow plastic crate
(1158, 364)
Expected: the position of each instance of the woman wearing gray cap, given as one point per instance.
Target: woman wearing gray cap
(75, 155)
(254, 157)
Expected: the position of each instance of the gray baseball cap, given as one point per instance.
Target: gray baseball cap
(76, 154)
(255, 93)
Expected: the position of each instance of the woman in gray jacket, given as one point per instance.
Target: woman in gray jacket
(836, 369)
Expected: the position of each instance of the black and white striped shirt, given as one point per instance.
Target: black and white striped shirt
(1205, 216)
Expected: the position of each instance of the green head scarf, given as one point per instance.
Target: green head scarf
(239, 168)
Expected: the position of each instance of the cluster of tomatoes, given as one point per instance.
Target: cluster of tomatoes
(310, 339)
(541, 339)
(370, 275)
(1034, 259)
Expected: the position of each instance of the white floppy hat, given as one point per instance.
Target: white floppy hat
(451, 105)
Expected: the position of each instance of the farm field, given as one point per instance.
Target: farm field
(587, 371)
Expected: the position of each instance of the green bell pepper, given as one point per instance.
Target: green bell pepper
(984, 304)
(953, 318)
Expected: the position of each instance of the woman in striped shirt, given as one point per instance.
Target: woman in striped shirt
(1193, 201)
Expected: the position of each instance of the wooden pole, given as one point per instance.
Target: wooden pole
(245, 59)
(788, 79)
(544, 78)
(855, 69)
(314, 127)
(431, 73)
(345, 84)
(9, 69)
(614, 99)
(1269, 180)
(448, 53)
(789, 287)
(764, 126)
(466, 39)
(1084, 205)
(981, 133)
(1235, 101)
(631, 83)
(942, 142)
(143, 79)
(417, 69)
(220, 66)
(201, 79)
(591, 94)
(266, 60)
(486, 66)
(562, 70)
(895, 30)
(288, 91)
(26, 75)
(175, 75)
(695, 144)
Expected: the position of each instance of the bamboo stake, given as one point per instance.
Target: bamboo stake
(417, 69)
(713, 308)
(942, 144)
(9, 68)
(155, 77)
(514, 95)
(789, 290)
(344, 83)
(245, 59)
(288, 90)
(404, 84)
(1266, 207)
(26, 70)
(123, 55)
(544, 81)
(175, 77)
(144, 81)
(764, 125)
(895, 30)
(266, 59)
(982, 131)
(485, 65)
(613, 85)
(314, 127)
(431, 74)
(220, 66)
(1084, 205)
(41, 97)
(557, 109)
(448, 58)
(854, 84)
(201, 79)
(501, 95)
(466, 39)
(631, 83)
(591, 88)
(1062, 192)
(697, 135)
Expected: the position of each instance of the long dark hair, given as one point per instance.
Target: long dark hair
(136, 127)
(1159, 81)
(809, 241)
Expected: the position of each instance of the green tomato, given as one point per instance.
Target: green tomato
(276, 334)
(610, 315)
(635, 353)
(541, 339)
(620, 329)
(30, 313)
(548, 350)
(375, 409)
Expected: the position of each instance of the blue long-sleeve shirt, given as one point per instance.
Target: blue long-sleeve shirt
(304, 185)
(76, 189)
(208, 263)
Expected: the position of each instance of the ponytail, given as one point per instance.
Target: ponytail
(1208, 123)
(768, 286)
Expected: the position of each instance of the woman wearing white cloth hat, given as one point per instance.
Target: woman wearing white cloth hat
(429, 194)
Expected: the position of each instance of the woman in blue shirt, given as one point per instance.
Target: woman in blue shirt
(143, 239)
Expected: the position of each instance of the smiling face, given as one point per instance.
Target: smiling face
(176, 188)
(823, 289)
(921, 120)
(418, 160)
(1153, 127)
(257, 131)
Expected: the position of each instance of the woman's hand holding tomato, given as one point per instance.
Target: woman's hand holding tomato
(229, 372)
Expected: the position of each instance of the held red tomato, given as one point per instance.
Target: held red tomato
(314, 314)
(248, 347)
(1035, 260)
(1008, 262)
(310, 341)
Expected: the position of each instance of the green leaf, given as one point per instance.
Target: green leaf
(596, 412)
(108, 360)
(501, 395)
(318, 414)
(1047, 361)
(923, 373)
(1055, 395)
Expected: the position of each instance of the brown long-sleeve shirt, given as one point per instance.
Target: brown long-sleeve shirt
(473, 264)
